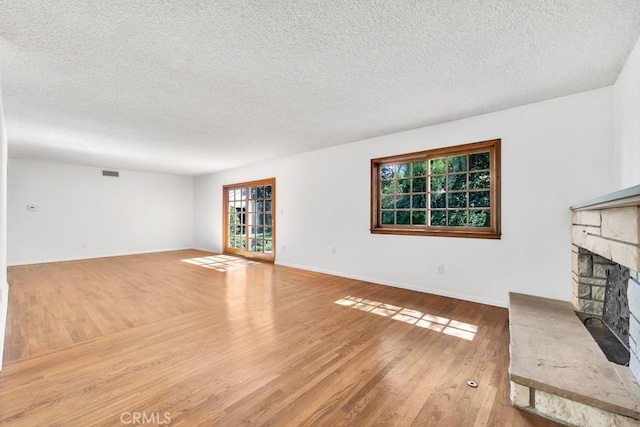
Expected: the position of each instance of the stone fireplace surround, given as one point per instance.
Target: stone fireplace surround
(556, 368)
(600, 291)
(612, 232)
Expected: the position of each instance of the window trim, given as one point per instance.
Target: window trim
(262, 256)
(493, 232)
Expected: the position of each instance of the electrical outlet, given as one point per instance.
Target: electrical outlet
(32, 207)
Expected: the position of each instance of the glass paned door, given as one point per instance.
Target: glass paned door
(249, 219)
(260, 236)
(237, 211)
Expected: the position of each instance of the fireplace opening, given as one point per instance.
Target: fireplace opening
(611, 330)
(608, 342)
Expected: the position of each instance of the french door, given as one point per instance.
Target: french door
(249, 219)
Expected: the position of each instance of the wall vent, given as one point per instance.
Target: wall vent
(115, 174)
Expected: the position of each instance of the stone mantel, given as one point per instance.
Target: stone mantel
(623, 198)
(610, 226)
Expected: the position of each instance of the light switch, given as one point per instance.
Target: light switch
(32, 207)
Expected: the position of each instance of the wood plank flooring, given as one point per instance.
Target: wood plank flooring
(193, 339)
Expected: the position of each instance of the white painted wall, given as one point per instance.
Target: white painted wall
(4, 286)
(627, 122)
(554, 154)
(85, 215)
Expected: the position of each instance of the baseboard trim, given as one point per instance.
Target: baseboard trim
(98, 256)
(377, 281)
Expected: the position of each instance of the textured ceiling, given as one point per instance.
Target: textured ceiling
(192, 87)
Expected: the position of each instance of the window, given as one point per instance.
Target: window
(249, 210)
(452, 191)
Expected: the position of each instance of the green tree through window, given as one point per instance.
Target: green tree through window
(453, 191)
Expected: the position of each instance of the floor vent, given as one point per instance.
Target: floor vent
(115, 174)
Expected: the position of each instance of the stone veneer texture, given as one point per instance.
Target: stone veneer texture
(589, 273)
(564, 410)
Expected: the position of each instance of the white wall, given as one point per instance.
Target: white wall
(4, 287)
(627, 123)
(554, 154)
(85, 215)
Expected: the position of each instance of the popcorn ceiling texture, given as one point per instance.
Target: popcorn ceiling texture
(192, 87)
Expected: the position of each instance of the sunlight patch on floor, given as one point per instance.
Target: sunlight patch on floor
(221, 263)
(443, 325)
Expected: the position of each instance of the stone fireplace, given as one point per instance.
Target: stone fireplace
(606, 251)
(558, 368)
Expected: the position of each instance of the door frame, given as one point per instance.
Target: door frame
(270, 257)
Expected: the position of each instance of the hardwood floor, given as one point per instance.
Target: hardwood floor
(198, 340)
